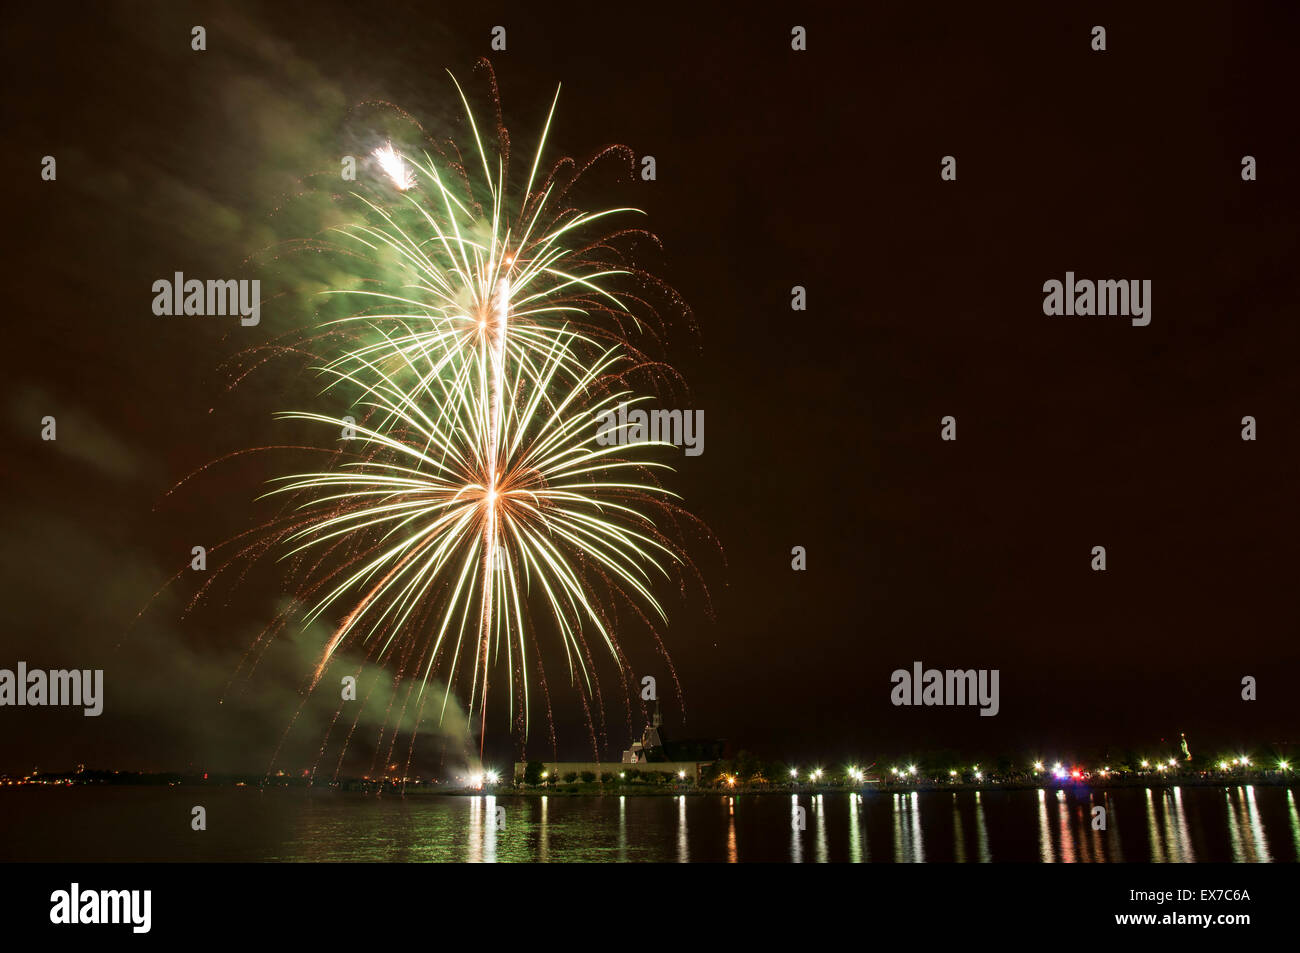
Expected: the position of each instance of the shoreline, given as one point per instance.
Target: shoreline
(598, 790)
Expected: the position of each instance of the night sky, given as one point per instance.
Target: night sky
(775, 168)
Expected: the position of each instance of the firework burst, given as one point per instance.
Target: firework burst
(464, 511)
(477, 506)
(464, 256)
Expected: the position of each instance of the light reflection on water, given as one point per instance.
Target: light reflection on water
(683, 838)
(798, 823)
(1295, 820)
(1245, 828)
(981, 832)
(857, 850)
(908, 846)
(1163, 825)
(819, 805)
(1044, 837)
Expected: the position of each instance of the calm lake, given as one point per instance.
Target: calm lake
(1188, 824)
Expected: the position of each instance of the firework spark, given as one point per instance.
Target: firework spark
(392, 165)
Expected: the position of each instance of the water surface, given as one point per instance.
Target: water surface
(1180, 824)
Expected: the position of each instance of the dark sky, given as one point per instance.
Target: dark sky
(775, 168)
